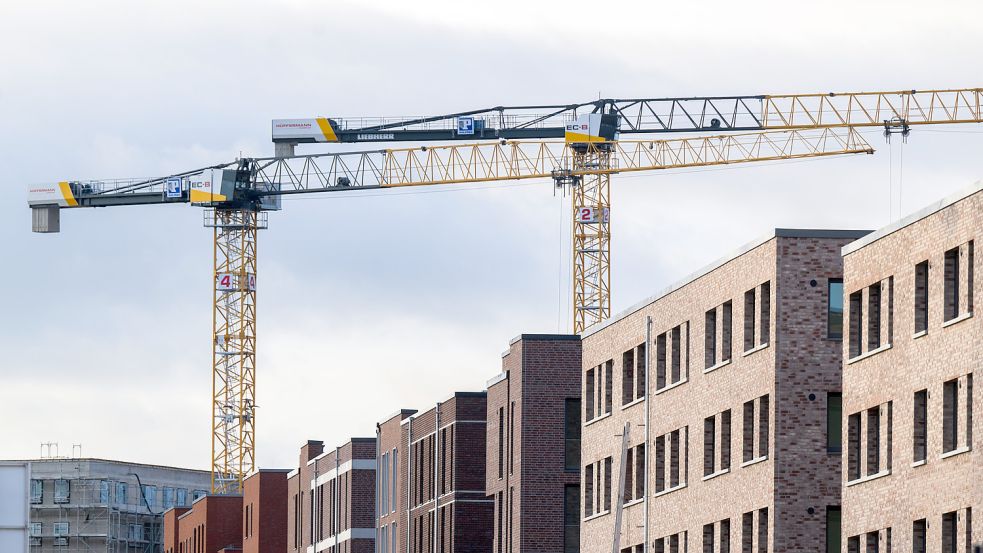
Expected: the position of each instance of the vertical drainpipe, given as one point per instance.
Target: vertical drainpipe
(436, 477)
(409, 478)
(378, 495)
(645, 485)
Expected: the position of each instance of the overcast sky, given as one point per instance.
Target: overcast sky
(373, 302)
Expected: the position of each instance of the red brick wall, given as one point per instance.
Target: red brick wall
(265, 492)
(217, 519)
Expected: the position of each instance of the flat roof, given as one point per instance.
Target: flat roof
(776, 233)
(98, 460)
(913, 217)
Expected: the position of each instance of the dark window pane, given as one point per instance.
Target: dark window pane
(834, 309)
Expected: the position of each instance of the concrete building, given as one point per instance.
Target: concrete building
(89, 504)
(440, 466)
(913, 465)
(332, 498)
(721, 395)
(532, 469)
(212, 524)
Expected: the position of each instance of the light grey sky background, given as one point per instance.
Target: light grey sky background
(371, 302)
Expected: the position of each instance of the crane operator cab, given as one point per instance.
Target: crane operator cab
(593, 128)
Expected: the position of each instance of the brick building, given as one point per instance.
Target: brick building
(264, 512)
(913, 466)
(438, 477)
(532, 470)
(213, 523)
(726, 389)
(331, 498)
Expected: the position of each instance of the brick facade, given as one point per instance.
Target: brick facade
(909, 479)
(526, 468)
(439, 478)
(213, 523)
(264, 512)
(736, 367)
(332, 499)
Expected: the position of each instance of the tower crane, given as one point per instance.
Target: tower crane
(576, 145)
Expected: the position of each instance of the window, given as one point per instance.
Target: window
(37, 491)
(834, 422)
(763, 530)
(122, 490)
(672, 356)
(61, 529)
(708, 538)
(571, 520)
(833, 528)
(853, 447)
(710, 355)
(856, 315)
(716, 443)
(589, 395)
(597, 491)
(589, 490)
(869, 449)
(921, 297)
(950, 537)
(756, 429)
(501, 442)
(395, 473)
(834, 309)
(874, 316)
(747, 532)
(62, 491)
(725, 536)
(571, 434)
(873, 440)
(757, 316)
(671, 473)
(872, 542)
(920, 427)
(919, 536)
(35, 530)
(951, 284)
(764, 322)
(168, 497)
(717, 335)
(599, 403)
(608, 373)
(853, 544)
(950, 415)
(640, 471)
(633, 374)
(749, 320)
(103, 492)
(676, 543)
(150, 495)
(511, 439)
(634, 473)
(607, 484)
(197, 494)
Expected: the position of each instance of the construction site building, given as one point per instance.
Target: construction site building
(332, 498)
(713, 407)
(213, 523)
(95, 505)
(532, 469)
(913, 464)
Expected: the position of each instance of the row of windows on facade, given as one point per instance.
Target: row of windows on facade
(672, 457)
(717, 537)
(955, 535)
(60, 531)
(423, 456)
(387, 476)
(870, 432)
(387, 538)
(329, 507)
(672, 353)
(504, 505)
(432, 531)
(195, 543)
(117, 493)
(876, 301)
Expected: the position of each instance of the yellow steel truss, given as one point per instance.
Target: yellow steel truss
(234, 346)
(591, 237)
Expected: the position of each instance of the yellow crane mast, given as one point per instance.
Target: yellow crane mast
(486, 145)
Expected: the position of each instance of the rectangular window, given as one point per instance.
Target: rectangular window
(571, 434)
(62, 491)
(608, 373)
(589, 490)
(921, 297)
(501, 518)
(710, 341)
(853, 544)
(607, 484)
(725, 440)
(709, 445)
(874, 316)
(919, 437)
(834, 309)
(60, 529)
(37, 491)
(726, 335)
(628, 377)
(764, 411)
(749, 309)
(853, 447)
(660, 464)
(873, 440)
(834, 422)
(35, 531)
(182, 497)
(919, 536)
(951, 284)
(708, 538)
(747, 532)
(501, 442)
(511, 438)
(395, 477)
(150, 495)
(763, 530)
(856, 316)
(765, 323)
(660, 361)
(168, 497)
(725, 536)
(674, 459)
(640, 353)
(748, 430)
(833, 528)
(677, 340)
(589, 395)
(571, 520)
(950, 415)
(872, 542)
(629, 475)
(640, 471)
(950, 538)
